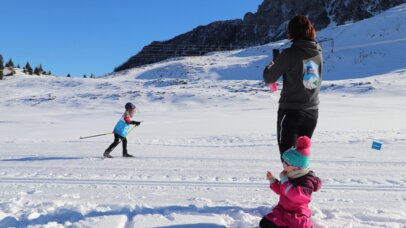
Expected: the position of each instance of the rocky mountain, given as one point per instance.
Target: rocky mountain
(268, 24)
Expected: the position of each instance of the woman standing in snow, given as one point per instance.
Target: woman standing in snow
(301, 69)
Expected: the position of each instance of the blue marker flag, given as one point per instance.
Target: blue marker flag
(376, 145)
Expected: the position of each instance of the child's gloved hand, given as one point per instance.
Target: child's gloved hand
(269, 175)
(137, 123)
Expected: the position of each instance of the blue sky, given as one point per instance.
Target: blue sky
(88, 36)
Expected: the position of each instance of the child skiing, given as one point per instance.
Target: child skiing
(121, 130)
(295, 187)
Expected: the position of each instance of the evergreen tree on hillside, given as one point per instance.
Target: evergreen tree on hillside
(84, 76)
(1, 62)
(10, 64)
(68, 76)
(37, 71)
(1, 67)
(28, 68)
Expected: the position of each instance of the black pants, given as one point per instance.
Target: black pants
(117, 139)
(295, 123)
(265, 223)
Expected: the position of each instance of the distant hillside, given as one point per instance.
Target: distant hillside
(10, 69)
(368, 47)
(266, 25)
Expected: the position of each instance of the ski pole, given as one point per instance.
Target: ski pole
(92, 136)
(131, 130)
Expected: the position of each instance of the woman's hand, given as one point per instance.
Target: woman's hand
(273, 86)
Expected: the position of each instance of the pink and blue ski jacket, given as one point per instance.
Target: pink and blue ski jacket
(295, 195)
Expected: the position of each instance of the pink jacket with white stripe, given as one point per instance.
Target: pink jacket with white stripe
(295, 195)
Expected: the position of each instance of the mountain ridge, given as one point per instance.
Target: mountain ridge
(267, 24)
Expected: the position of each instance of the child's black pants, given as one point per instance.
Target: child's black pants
(117, 139)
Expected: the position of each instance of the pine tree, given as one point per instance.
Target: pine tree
(1, 67)
(37, 71)
(10, 64)
(28, 68)
(84, 76)
(68, 76)
(49, 73)
(1, 62)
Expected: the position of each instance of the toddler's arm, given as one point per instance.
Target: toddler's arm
(274, 183)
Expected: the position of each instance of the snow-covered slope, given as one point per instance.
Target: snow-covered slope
(372, 46)
(202, 151)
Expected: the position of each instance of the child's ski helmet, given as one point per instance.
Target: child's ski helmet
(129, 106)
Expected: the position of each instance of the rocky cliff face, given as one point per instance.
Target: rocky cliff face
(269, 23)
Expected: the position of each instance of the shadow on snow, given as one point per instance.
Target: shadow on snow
(64, 215)
(38, 158)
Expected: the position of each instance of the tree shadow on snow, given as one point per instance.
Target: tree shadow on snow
(198, 225)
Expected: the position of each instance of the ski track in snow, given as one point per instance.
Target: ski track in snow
(78, 189)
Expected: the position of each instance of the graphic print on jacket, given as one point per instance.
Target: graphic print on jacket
(311, 78)
(301, 67)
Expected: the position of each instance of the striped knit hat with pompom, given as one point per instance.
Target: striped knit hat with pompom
(299, 156)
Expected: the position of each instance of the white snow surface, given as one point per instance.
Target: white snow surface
(204, 146)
